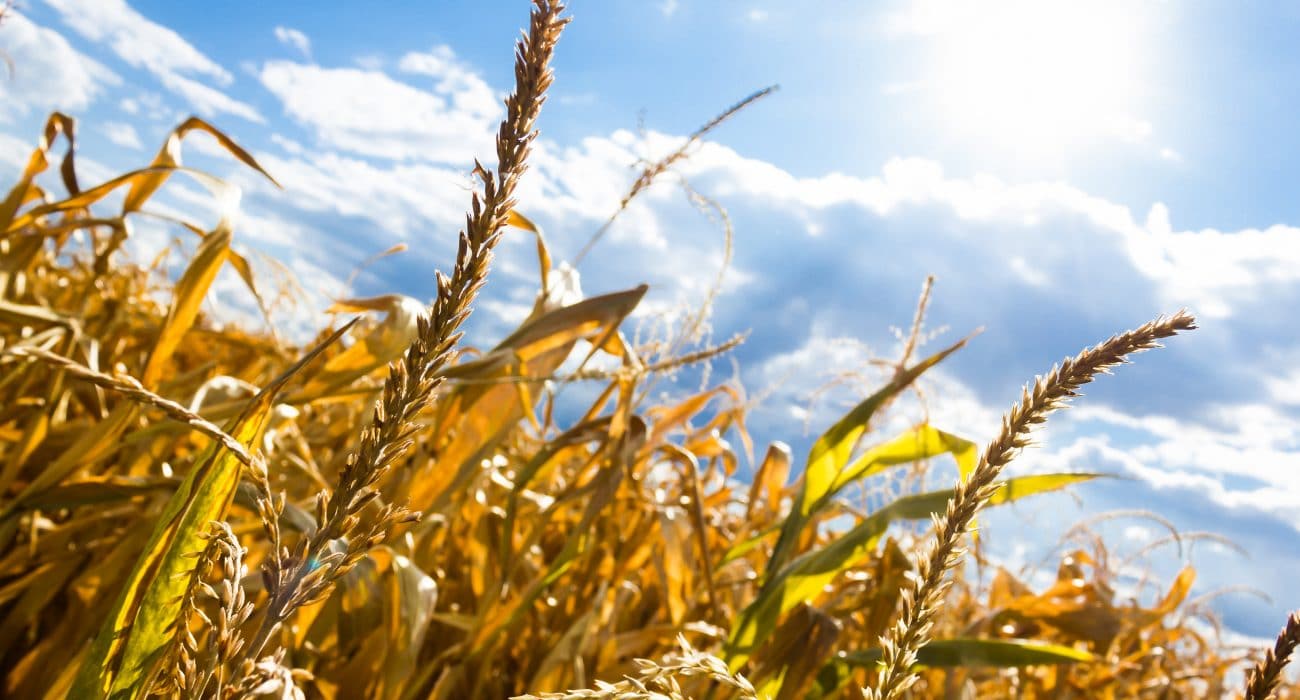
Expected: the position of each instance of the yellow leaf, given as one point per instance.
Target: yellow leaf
(58, 123)
(169, 158)
(769, 479)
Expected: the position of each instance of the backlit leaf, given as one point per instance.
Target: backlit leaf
(831, 452)
(803, 578)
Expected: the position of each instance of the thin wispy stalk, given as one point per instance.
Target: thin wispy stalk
(306, 575)
(1265, 677)
(918, 322)
(921, 600)
(652, 171)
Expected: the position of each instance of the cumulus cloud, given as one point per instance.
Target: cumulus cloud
(369, 113)
(466, 91)
(149, 46)
(13, 153)
(400, 201)
(1208, 269)
(209, 101)
(294, 39)
(48, 73)
(135, 39)
(1251, 444)
(1011, 255)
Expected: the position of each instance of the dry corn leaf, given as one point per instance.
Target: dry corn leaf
(57, 123)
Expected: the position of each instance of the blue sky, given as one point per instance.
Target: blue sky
(1066, 173)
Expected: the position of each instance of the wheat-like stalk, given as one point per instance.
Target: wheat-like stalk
(234, 608)
(1264, 678)
(192, 669)
(922, 599)
(306, 575)
(270, 677)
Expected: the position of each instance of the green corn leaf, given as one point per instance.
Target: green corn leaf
(921, 442)
(804, 578)
(831, 452)
(123, 658)
(947, 653)
(997, 653)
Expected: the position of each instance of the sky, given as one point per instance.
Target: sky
(1065, 170)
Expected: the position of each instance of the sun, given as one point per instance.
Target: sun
(1044, 77)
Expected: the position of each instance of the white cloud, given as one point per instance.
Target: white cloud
(370, 113)
(398, 201)
(669, 7)
(294, 39)
(1247, 440)
(831, 371)
(14, 152)
(149, 46)
(828, 374)
(370, 62)
(1027, 272)
(756, 15)
(822, 356)
(122, 134)
(466, 90)
(289, 145)
(47, 73)
(148, 104)
(1210, 270)
(1041, 236)
(137, 40)
(209, 101)
(1097, 452)
(1285, 389)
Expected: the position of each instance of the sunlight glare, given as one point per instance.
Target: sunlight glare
(1041, 76)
